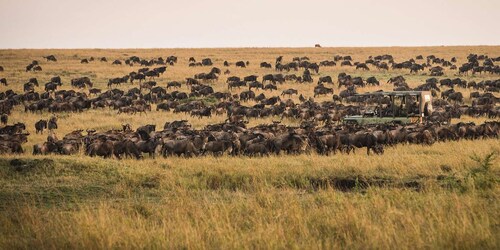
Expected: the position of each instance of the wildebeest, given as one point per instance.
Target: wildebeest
(362, 66)
(206, 62)
(265, 65)
(51, 58)
(322, 90)
(367, 140)
(241, 64)
(4, 118)
(327, 79)
(173, 84)
(52, 123)
(289, 92)
(40, 126)
(179, 147)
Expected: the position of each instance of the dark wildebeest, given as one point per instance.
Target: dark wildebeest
(241, 64)
(100, 147)
(251, 78)
(367, 140)
(322, 90)
(289, 92)
(327, 79)
(127, 148)
(40, 126)
(217, 148)
(372, 81)
(362, 66)
(265, 65)
(173, 84)
(4, 119)
(270, 87)
(52, 124)
(3, 81)
(50, 58)
(179, 147)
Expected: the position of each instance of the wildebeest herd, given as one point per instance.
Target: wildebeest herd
(320, 128)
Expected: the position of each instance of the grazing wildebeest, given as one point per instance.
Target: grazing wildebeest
(265, 65)
(327, 79)
(3, 81)
(50, 58)
(362, 66)
(322, 90)
(173, 84)
(289, 92)
(372, 81)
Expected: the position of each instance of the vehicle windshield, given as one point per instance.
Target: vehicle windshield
(399, 106)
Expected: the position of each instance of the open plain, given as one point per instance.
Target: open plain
(436, 193)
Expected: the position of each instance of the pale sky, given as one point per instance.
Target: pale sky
(249, 23)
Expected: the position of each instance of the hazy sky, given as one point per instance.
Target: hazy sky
(249, 23)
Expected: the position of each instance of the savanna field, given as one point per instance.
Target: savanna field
(439, 196)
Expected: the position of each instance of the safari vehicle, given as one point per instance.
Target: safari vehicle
(399, 107)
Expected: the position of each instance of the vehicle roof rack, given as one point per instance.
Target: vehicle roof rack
(392, 93)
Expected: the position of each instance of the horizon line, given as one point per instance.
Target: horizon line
(253, 47)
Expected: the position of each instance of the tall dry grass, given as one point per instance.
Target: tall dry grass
(412, 197)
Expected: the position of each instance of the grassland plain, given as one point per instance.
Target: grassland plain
(440, 196)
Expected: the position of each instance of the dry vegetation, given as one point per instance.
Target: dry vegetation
(440, 196)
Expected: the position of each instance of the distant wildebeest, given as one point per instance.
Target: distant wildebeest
(50, 58)
(327, 79)
(40, 126)
(52, 123)
(173, 84)
(265, 65)
(240, 64)
(289, 92)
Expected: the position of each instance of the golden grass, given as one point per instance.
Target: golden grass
(411, 197)
(271, 202)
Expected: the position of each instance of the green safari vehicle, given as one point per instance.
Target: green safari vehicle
(399, 107)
